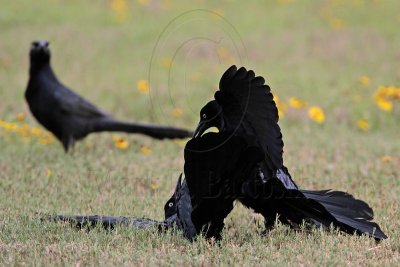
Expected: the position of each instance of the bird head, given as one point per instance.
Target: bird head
(40, 52)
(170, 207)
(210, 116)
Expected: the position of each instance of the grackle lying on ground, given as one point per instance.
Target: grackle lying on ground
(179, 216)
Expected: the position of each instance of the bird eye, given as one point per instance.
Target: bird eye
(204, 116)
(170, 204)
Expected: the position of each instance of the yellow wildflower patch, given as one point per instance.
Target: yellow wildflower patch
(281, 106)
(120, 8)
(386, 158)
(46, 140)
(363, 124)
(295, 102)
(385, 95)
(166, 62)
(365, 80)
(276, 98)
(384, 104)
(153, 185)
(119, 5)
(27, 132)
(20, 116)
(316, 114)
(120, 143)
(143, 86)
(336, 23)
(36, 131)
(145, 150)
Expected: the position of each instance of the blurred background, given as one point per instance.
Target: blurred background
(333, 66)
(332, 54)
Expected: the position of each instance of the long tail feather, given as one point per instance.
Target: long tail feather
(107, 222)
(352, 215)
(155, 131)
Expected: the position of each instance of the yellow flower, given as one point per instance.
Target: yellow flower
(6, 125)
(48, 173)
(166, 62)
(153, 185)
(120, 143)
(363, 124)
(177, 112)
(119, 5)
(276, 99)
(21, 116)
(23, 130)
(386, 158)
(280, 106)
(143, 86)
(36, 131)
(281, 109)
(295, 102)
(145, 150)
(121, 10)
(316, 114)
(45, 140)
(336, 23)
(365, 80)
(382, 98)
(384, 104)
(388, 91)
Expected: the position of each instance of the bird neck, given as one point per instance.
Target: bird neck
(42, 68)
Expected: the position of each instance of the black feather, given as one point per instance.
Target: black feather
(69, 116)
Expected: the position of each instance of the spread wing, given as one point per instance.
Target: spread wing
(73, 104)
(246, 100)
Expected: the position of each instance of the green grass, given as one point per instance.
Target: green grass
(292, 45)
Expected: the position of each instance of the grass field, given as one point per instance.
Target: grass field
(331, 54)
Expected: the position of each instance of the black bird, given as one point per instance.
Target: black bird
(215, 166)
(178, 217)
(69, 116)
(244, 107)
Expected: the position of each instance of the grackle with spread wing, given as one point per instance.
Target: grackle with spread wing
(244, 107)
(69, 116)
(215, 166)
